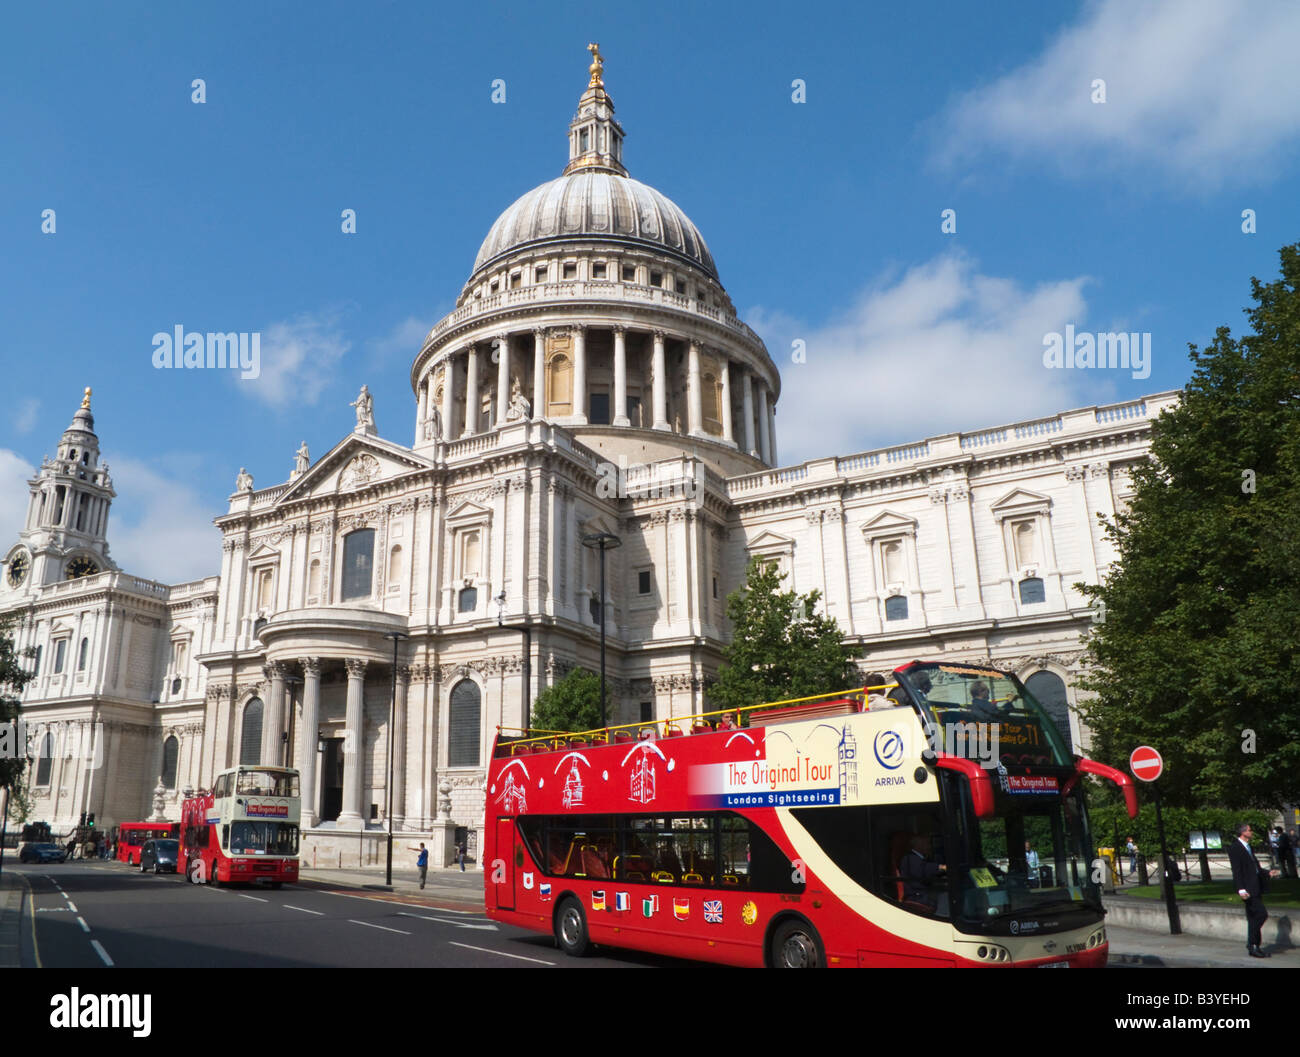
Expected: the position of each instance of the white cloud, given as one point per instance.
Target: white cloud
(937, 349)
(402, 342)
(299, 359)
(1201, 90)
(25, 418)
(159, 528)
(15, 472)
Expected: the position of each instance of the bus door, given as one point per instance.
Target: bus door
(502, 870)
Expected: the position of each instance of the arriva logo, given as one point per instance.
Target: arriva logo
(888, 748)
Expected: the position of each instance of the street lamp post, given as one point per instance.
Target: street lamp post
(602, 541)
(396, 636)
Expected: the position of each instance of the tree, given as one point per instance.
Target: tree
(13, 677)
(572, 703)
(1197, 648)
(780, 647)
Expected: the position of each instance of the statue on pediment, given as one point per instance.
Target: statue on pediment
(243, 481)
(301, 459)
(365, 405)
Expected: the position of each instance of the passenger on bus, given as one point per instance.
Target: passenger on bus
(918, 873)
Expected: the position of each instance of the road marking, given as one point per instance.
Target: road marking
(82, 922)
(52, 910)
(318, 913)
(256, 899)
(486, 926)
(503, 954)
(369, 924)
(71, 905)
(99, 949)
(392, 902)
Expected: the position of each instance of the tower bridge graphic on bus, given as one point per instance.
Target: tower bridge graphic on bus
(513, 797)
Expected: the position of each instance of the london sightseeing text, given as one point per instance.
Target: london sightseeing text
(244, 829)
(934, 821)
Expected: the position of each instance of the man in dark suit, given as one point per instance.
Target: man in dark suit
(1250, 880)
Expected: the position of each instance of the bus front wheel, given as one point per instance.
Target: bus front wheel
(796, 945)
(571, 929)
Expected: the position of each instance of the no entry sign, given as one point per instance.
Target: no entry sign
(1145, 763)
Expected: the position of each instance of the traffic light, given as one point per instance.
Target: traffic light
(90, 820)
(83, 818)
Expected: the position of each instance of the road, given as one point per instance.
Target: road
(91, 915)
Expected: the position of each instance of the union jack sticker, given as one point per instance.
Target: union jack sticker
(713, 911)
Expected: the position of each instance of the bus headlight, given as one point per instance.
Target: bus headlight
(992, 953)
(1097, 938)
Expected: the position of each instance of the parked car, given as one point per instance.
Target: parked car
(42, 853)
(159, 855)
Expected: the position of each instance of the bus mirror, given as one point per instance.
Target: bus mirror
(1125, 783)
(981, 789)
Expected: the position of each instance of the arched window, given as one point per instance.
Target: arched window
(463, 725)
(250, 733)
(60, 651)
(264, 589)
(893, 558)
(1026, 539)
(82, 653)
(1031, 591)
(395, 565)
(171, 750)
(313, 579)
(559, 386)
(896, 607)
(358, 564)
(46, 761)
(1049, 689)
(468, 600)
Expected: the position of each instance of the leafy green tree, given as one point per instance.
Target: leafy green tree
(1197, 645)
(13, 677)
(781, 647)
(572, 703)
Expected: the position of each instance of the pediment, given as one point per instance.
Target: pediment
(468, 510)
(263, 552)
(889, 522)
(356, 462)
(1022, 501)
(770, 543)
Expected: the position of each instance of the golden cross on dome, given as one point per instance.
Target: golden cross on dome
(597, 67)
(85, 400)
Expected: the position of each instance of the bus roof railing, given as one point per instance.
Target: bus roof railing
(538, 740)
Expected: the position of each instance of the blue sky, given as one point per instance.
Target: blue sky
(824, 216)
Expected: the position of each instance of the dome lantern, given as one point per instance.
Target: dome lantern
(595, 138)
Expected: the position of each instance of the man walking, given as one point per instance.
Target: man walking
(1251, 881)
(422, 861)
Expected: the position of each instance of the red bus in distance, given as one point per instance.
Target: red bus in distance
(937, 820)
(131, 838)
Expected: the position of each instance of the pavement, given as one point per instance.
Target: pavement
(13, 894)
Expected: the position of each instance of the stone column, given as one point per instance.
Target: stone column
(353, 743)
(694, 400)
(273, 716)
(580, 374)
(423, 413)
(503, 378)
(727, 434)
(771, 430)
(747, 410)
(307, 739)
(620, 377)
(448, 395)
(660, 383)
(399, 747)
(764, 438)
(471, 392)
(539, 372)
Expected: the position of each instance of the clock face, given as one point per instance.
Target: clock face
(19, 565)
(81, 566)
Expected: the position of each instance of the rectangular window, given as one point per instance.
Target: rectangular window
(634, 410)
(599, 415)
(494, 286)
(647, 712)
(570, 270)
(656, 278)
(643, 582)
(60, 653)
(715, 587)
(598, 270)
(358, 564)
(539, 275)
(629, 273)
(514, 280)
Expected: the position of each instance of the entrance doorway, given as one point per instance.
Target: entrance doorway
(331, 779)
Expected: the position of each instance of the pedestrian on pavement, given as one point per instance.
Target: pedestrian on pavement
(422, 861)
(460, 855)
(1285, 852)
(1291, 870)
(1251, 881)
(1131, 847)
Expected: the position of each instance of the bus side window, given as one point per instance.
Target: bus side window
(203, 836)
(225, 835)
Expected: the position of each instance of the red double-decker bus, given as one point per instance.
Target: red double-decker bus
(244, 829)
(131, 838)
(934, 821)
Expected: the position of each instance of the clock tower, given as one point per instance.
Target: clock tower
(64, 537)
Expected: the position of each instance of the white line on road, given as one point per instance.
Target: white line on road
(488, 950)
(82, 922)
(487, 926)
(71, 905)
(256, 899)
(52, 910)
(318, 913)
(99, 949)
(369, 924)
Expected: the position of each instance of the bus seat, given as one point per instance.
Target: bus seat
(622, 735)
(593, 864)
(692, 879)
(731, 880)
(663, 877)
(701, 728)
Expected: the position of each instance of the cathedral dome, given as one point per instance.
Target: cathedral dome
(599, 205)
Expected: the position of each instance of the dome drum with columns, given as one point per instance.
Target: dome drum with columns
(595, 304)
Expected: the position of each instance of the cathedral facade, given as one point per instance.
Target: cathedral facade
(390, 605)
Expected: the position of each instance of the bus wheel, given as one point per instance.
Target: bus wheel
(571, 929)
(796, 945)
